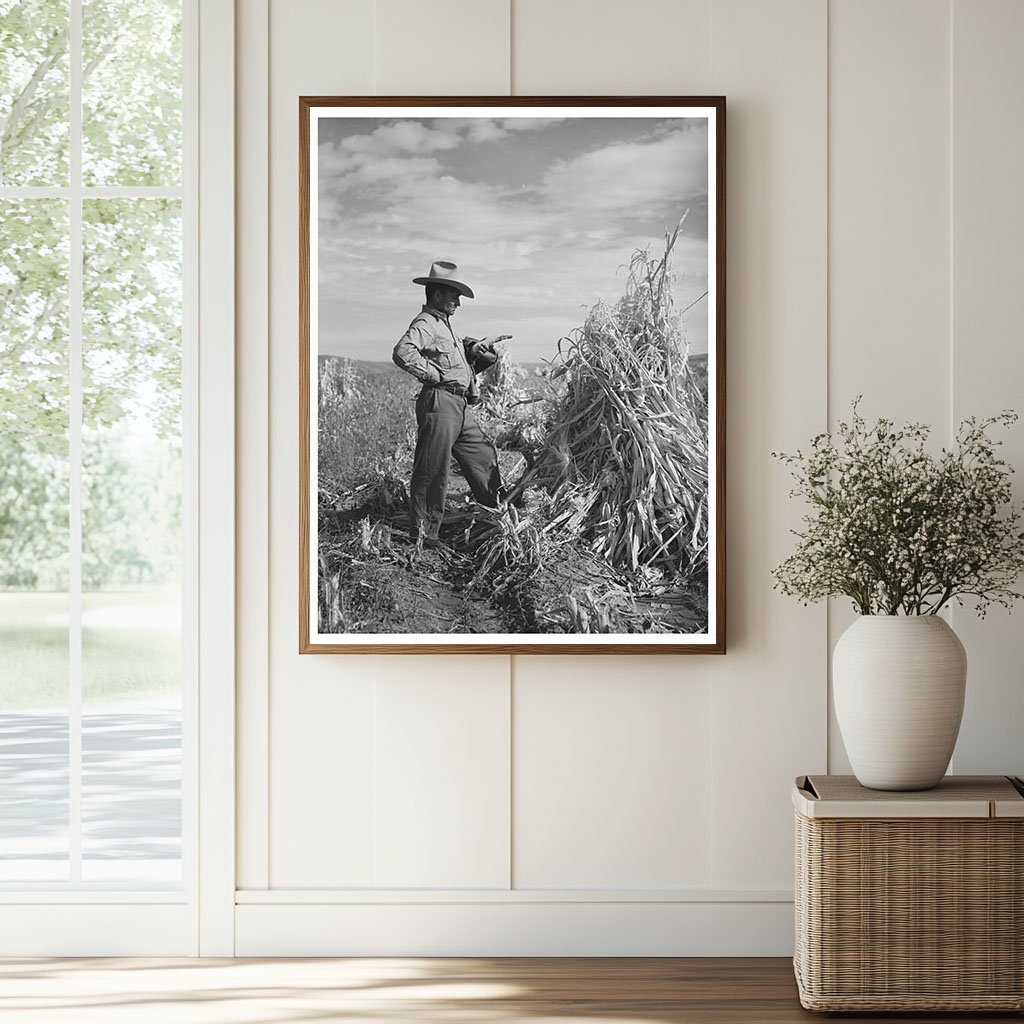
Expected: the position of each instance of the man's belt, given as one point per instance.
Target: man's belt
(451, 387)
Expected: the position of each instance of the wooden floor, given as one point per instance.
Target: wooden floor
(381, 991)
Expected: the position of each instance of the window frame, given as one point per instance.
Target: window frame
(69, 918)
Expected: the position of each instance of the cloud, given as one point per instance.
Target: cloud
(394, 151)
(415, 138)
(380, 148)
(483, 129)
(530, 124)
(630, 179)
(396, 138)
(382, 174)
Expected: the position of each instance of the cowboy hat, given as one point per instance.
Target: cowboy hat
(443, 272)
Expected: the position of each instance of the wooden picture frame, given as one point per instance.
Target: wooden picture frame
(626, 560)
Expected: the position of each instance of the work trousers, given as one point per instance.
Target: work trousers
(447, 426)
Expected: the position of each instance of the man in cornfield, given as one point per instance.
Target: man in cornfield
(446, 424)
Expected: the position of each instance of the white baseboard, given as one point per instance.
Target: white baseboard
(97, 929)
(520, 928)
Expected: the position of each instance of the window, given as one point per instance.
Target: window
(95, 476)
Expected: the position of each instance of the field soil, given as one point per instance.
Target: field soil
(403, 587)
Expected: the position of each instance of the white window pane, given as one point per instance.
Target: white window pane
(33, 540)
(131, 92)
(33, 92)
(132, 317)
(34, 804)
(131, 541)
(131, 791)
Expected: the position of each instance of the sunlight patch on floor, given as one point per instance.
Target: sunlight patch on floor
(220, 991)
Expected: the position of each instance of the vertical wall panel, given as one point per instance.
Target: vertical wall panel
(769, 693)
(442, 775)
(576, 47)
(442, 48)
(889, 209)
(988, 370)
(321, 709)
(322, 759)
(612, 782)
(889, 248)
(253, 409)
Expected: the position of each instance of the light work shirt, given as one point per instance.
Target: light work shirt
(432, 352)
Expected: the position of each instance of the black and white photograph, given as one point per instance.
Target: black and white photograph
(511, 387)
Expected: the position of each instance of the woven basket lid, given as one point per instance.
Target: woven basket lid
(957, 796)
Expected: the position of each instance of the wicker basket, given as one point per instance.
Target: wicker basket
(910, 901)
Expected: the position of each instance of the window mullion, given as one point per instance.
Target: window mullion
(94, 191)
(75, 333)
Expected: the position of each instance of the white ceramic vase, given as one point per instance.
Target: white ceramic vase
(898, 683)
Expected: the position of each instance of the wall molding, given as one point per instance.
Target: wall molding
(520, 928)
(72, 929)
(364, 897)
(215, 281)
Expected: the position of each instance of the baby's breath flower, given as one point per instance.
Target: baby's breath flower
(900, 530)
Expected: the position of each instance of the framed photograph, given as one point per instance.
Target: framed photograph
(512, 375)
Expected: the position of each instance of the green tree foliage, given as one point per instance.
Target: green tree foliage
(34, 320)
(131, 92)
(131, 509)
(33, 514)
(131, 308)
(33, 392)
(132, 312)
(33, 92)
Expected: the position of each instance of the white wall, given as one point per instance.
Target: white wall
(625, 805)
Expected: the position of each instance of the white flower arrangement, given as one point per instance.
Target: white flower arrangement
(899, 530)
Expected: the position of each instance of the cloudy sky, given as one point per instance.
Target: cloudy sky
(541, 214)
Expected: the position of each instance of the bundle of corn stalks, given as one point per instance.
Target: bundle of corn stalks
(529, 557)
(523, 432)
(502, 386)
(629, 437)
(338, 380)
(512, 545)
